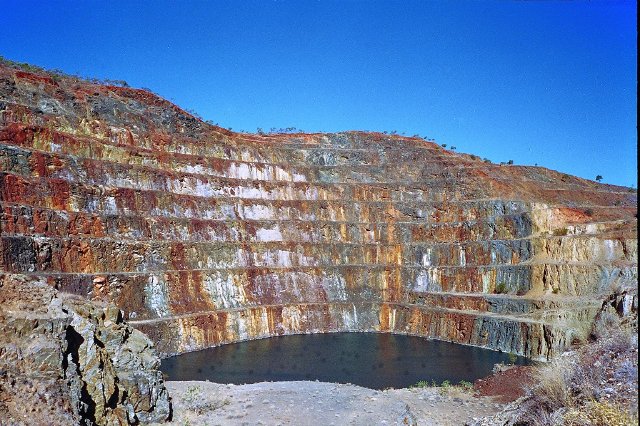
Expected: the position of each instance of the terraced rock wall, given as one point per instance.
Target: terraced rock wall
(203, 236)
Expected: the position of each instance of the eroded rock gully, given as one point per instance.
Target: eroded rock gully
(65, 360)
(203, 236)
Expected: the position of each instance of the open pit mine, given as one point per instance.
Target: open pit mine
(122, 215)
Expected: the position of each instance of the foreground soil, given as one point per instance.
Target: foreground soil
(317, 403)
(506, 385)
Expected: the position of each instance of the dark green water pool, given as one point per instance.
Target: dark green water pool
(373, 360)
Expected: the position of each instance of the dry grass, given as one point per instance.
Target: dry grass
(593, 385)
(599, 413)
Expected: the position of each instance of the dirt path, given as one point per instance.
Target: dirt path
(317, 403)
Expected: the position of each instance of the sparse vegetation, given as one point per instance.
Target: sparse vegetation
(22, 65)
(57, 75)
(444, 386)
(599, 413)
(510, 162)
(195, 114)
(420, 384)
(465, 385)
(501, 288)
(560, 232)
(197, 401)
(598, 178)
(594, 385)
(281, 130)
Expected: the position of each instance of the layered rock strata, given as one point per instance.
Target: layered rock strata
(65, 360)
(203, 236)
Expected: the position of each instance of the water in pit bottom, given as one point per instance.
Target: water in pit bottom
(372, 360)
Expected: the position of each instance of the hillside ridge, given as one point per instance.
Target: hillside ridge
(204, 236)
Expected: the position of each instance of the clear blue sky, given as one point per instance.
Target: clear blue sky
(544, 82)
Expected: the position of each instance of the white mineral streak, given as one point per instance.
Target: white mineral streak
(591, 228)
(462, 256)
(189, 336)
(284, 259)
(335, 287)
(228, 211)
(627, 304)
(369, 236)
(195, 169)
(291, 318)
(241, 259)
(392, 319)
(187, 186)
(426, 257)
(281, 259)
(311, 193)
(610, 249)
(240, 171)
(486, 282)
(428, 280)
(542, 217)
(225, 292)
(54, 147)
(110, 206)
(255, 193)
(156, 296)
(259, 212)
(241, 324)
(297, 177)
(350, 319)
(255, 325)
(266, 235)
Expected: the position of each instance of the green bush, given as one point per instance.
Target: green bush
(465, 385)
(501, 288)
(420, 384)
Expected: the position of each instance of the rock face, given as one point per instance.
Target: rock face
(203, 236)
(65, 360)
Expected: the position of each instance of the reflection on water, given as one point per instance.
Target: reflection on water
(372, 360)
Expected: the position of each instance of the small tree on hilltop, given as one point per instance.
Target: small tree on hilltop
(598, 178)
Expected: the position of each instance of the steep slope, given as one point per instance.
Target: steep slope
(203, 236)
(65, 360)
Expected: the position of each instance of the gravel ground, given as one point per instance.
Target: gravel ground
(317, 403)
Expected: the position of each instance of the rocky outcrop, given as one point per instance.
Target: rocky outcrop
(203, 236)
(65, 360)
